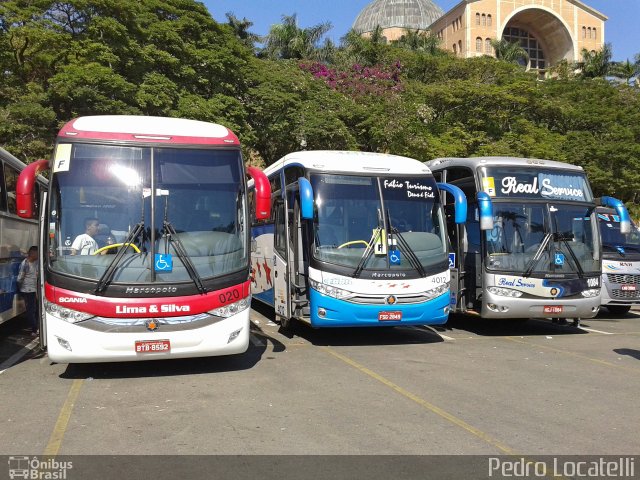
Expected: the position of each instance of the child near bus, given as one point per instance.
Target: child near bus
(27, 283)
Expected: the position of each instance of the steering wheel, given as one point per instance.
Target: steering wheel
(354, 242)
(116, 245)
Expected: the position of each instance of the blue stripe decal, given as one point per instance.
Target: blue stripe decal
(266, 296)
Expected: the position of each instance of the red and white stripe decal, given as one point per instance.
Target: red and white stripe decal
(146, 307)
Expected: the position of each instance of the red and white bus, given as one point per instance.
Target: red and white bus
(145, 240)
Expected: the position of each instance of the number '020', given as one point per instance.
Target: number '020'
(229, 296)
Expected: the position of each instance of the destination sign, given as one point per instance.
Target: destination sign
(541, 184)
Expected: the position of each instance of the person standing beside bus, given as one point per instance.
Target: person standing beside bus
(85, 243)
(28, 284)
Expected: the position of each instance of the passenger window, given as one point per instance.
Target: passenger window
(3, 197)
(280, 240)
(10, 181)
(292, 174)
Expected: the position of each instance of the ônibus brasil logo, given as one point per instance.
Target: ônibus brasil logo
(34, 468)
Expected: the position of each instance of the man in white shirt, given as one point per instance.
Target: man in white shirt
(85, 244)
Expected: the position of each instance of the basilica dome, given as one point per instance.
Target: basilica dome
(409, 14)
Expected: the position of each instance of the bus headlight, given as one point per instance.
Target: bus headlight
(66, 314)
(231, 309)
(505, 292)
(592, 292)
(436, 292)
(330, 291)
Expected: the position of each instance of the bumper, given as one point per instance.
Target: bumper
(340, 313)
(534, 308)
(612, 294)
(88, 346)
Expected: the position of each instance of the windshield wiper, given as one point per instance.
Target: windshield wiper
(178, 246)
(537, 256)
(562, 238)
(411, 255)
(108, 274)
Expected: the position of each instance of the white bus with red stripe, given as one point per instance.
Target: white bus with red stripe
(161, 207)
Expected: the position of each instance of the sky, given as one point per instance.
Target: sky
(621, 30)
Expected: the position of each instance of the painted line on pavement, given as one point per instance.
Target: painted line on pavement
(16, 357)
(420, 401)
(593, 330)
(55, 441)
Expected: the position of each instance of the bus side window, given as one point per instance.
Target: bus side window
(437, 176)
(280, 239)
(10, 182)
(292, 174)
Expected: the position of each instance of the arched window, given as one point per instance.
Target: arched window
(589, 33)
(488, 49)
(489, 20)
(479, 45)
(455, 48)
(584, 32)
(460, 46)
(477, 19)
(529, 43)
(594, 33)
(484, 20)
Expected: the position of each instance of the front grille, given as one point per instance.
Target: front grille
(623, 278)
(382, 299)
(625, 294)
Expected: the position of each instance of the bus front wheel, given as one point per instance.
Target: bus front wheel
(619, 309)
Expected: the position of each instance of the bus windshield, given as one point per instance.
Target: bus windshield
(543, 238)
(353, 212)
(100, 193)
(613, 240)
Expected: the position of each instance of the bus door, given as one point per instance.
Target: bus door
(44, 244)
(297, 259)
(280, 274)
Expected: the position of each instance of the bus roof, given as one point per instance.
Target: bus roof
(132, 128)
(474, 162)
(331, 161)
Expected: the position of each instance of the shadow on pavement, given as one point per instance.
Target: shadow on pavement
(509, 327)
(628, 351)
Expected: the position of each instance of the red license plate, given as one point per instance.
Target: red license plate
(552, 309)
(389, 316)
(628, 287)
(153, 346)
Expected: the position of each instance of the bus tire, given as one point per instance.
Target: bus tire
(618, 309)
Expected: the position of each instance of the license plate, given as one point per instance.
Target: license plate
(552, 309)
(389, 316)
(152, 346)
(628, 287)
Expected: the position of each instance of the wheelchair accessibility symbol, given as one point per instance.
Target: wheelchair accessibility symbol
(559, 259)
(164, 262)
(394, 257)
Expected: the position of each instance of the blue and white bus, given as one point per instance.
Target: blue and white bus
(354, 239)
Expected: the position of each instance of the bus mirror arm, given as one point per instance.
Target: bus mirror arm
(460, 201)
(485, 207)
(618, 205)
(24, 187)
(263, 193)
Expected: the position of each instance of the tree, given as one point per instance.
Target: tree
(288, 41)
(510, 52)
(625, 70)
(241, 30)
(420, 41)
(596, 64)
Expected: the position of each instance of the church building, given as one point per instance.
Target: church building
(549, 30)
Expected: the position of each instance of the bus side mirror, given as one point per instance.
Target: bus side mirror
(485, 207)
(623, 213)
(460, 201)
(263, 193)
(306, 198)
(25, 188)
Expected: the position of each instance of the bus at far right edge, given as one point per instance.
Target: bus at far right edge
(620, 263)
